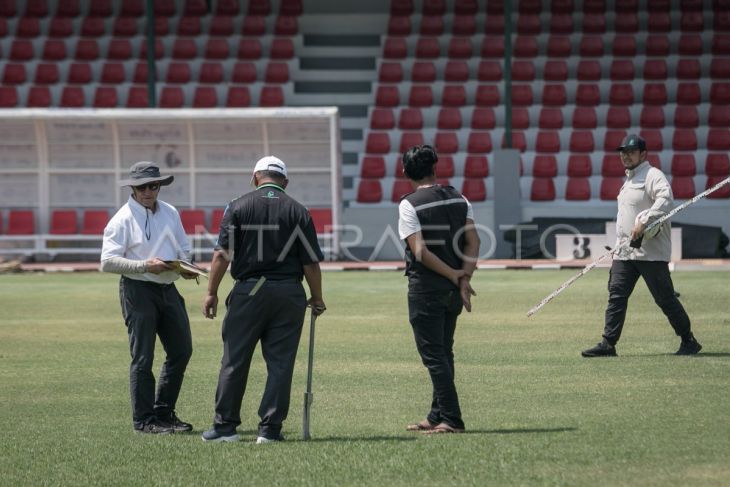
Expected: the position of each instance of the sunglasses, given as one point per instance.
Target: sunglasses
(150, 186)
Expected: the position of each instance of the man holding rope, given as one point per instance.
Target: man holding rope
(645, 197)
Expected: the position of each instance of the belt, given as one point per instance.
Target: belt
(270, 279)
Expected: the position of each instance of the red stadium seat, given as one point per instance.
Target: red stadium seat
(423, 72)
(466, 7)
(271, 96)
(719, 116)
(39, 97)
(377, 143)
(464, 25)
(401, 7)
(548, 142)
(686, 116)
(474, 189)
(431, 25)
(448, 119)
(487, 95)
(420, 96)
(125, 27)
(518, 142)
(610, 188)
(684, 140)
(172, 97)
(594, 24)
(446, 143)
(94, 222)
(259, 7)
(238, 97)
(453, 96)
(626, 22)
(655, 69)
(722, 193)
(399, 25)
(561, 7)
(652, 117)
(525, 46)
(159, 49)
(22, 50)
(193, 221)
(249, 49)
(522, 95)
(410, 119)
(445, 166)
(688, 69)
(720, 93)
(428, 48)
(253, 25)
(618, 118)
(59, 27)
(79, 73)
(479, 143)
(178, 73)
(494, 25)
(720, 68)
(591, 46)
(205, 97)
(612, 166)
(227, 7)
(717, 165)
(36, 8)
(222, 26)
(369, 191)
(718, 139)
(691, 22)
(105, 97)
(659, 22)
(492, 47)
(395, 48)
(683, 165)
(456, 71)
(21, 222)
(655, 94)
(476, 167)
(551, 118)
(286, 25)
(585, 118)
(542, 189)
(212, 73)
(382, 119)
(683, 187)
(688, 94)
(483, 119)
(613, 139)
(588, 95)
(581, 141)
(195, 7)
(690, 45)
(410, 139)
(73, 97)
(14, 74)
(657, 45)
(622, 69)
(28, 27)
(387, 96)
(282, 48)
(544, 166)
(401, 187)
(390, 73)
(137, 97)
(372, 167)
(624, 45)
(276, 73)
(63, 222)
(244, 72)
(589, 70)
(528, 24)
(186, 49)
(561, 24)
(580, 166)
(578, 189)
(322, 219)
(523, 71)
(721, 44)
(46, 74)
(559, 46)
(520, 118)
(554, 95)
(621, 94)
(291, 7)
(555, 71)
(653, 138)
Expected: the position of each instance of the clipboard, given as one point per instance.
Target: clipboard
(185, 266)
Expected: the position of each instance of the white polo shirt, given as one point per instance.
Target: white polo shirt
(124, 236)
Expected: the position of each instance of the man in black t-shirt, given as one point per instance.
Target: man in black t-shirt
(437, 224)
(272, 242)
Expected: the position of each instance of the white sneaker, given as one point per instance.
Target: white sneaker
(260, 440)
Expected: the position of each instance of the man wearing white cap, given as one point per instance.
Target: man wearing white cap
(139, 238)
(271, 241)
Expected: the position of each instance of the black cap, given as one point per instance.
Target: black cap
(632, 142)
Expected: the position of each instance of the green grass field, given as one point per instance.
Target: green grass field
(536, 412)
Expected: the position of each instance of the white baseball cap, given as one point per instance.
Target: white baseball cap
(270, 163)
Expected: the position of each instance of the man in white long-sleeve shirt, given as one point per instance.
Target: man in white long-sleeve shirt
(139, 238)
(645, 197)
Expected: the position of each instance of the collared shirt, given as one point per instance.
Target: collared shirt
(126, 236)
(646, 188)
(270, 235)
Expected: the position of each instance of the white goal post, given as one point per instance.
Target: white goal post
(52, 159)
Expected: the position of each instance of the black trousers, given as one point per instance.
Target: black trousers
(152, 310)
(274, 317)
(623, 277)
(433, 319)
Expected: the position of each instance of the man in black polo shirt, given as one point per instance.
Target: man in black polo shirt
(442, 245)
(272, 241)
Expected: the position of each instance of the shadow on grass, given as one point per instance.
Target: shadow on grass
(356, 438)
(416, 435)
(672, 354)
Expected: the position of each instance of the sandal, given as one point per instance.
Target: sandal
(424, 425)
(443, 428)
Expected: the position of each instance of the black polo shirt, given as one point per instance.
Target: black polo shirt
(270, 234)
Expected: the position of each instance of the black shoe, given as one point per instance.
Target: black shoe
(690, 346)
(156, 427)
(602, 349)
(214, 435)
(176, 424)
